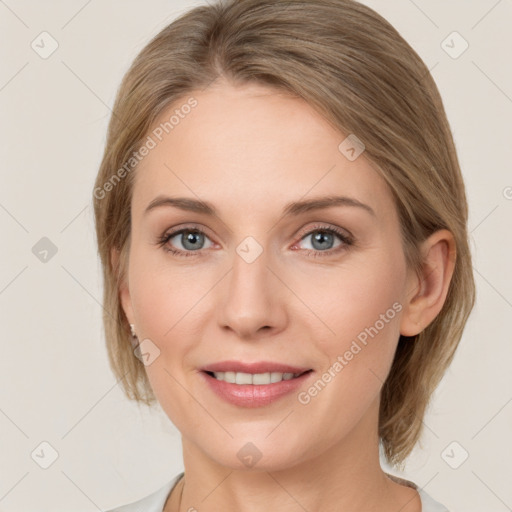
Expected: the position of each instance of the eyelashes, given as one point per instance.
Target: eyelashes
(345, 239)
(163, 241)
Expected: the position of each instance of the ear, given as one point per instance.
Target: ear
(426, 293)
(124, 291)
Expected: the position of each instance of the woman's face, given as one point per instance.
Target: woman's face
(262, 281)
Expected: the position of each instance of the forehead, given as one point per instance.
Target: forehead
(254, 146)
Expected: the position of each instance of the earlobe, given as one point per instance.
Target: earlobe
(426, 293)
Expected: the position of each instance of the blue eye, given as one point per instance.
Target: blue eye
(192, 240)
(323, 238)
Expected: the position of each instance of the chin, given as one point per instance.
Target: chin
(255, 453)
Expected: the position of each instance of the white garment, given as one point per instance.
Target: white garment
(155, 502)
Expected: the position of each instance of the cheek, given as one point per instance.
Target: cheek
(362, 309)
(166, 310)
(162, 295)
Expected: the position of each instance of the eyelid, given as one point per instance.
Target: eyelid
(177, 230)
(325, 226)
(188, 227)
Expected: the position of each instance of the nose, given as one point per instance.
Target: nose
(252, 301)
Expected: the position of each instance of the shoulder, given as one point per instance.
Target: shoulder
(152, 503)
(428, 504)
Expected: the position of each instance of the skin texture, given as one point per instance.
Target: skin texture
(249, 151)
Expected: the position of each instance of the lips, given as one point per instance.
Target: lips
(254, 384)
(258, 394)
(255, 367)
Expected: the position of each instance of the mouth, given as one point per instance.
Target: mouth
(258, 373)
(254, 384)
(255, 379)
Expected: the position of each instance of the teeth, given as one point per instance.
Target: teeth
(254, 378)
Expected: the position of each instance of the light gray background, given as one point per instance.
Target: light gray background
(55, 384)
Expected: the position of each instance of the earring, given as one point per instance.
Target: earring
(132, 328)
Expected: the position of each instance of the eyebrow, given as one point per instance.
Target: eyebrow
(293, 208)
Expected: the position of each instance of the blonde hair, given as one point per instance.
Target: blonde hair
(358, 72)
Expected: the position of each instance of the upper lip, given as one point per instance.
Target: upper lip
(255, 367)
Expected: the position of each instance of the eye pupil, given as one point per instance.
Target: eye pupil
(191, 237)
(321, 237)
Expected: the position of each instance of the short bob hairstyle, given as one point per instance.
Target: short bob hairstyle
(354, 68)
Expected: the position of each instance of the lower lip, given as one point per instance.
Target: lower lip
(250, 395)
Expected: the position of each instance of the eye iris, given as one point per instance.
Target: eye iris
(320, 237)
(190, 237)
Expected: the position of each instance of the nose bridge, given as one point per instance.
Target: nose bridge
(251, 299)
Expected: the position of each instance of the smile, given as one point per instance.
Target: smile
(251, 390)
(257, 379)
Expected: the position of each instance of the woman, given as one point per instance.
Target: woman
(282, 225)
